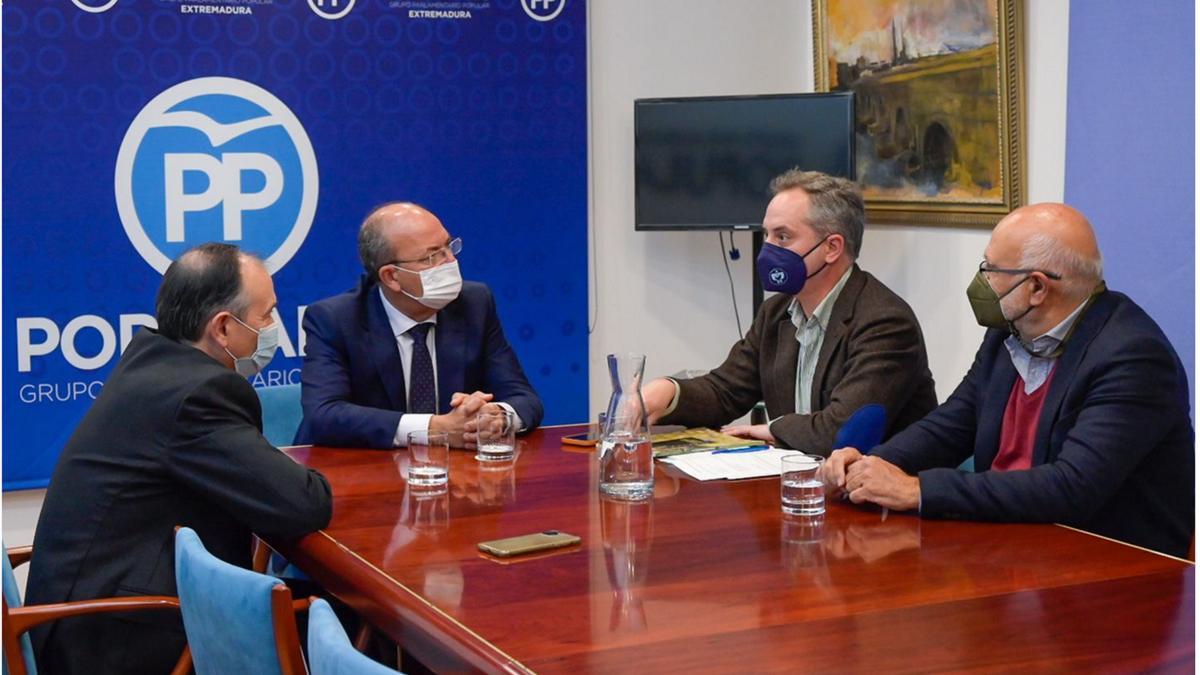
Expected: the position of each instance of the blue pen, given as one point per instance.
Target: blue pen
(744, 448)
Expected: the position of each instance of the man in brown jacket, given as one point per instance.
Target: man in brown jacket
(832, 340)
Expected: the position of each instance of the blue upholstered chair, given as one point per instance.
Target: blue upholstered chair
(237, 621)
(281, 412)
(330, 651)
(281, 418)
(18, 619)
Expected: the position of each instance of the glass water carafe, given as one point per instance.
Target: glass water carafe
(625, 455)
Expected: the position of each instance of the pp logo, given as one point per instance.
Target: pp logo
(331, 9)
(216, 159)
(541, 10)
(94, 6)
(778, 276)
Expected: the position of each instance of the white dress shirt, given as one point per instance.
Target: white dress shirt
(401, 323)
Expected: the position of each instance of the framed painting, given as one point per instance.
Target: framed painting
(939, 104)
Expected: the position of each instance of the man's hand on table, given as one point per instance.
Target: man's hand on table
(870, 479)
(459, 423)
(758, 432)
(657, 395)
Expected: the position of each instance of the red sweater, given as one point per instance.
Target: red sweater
(1019, 428)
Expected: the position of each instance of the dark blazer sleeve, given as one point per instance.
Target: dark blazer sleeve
(326, 392)
(946, 436)
(1126, 407)
(218, 451)
(728, 391)
(885, 363)
(504, 377)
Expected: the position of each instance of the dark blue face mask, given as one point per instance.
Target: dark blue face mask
(782, 270)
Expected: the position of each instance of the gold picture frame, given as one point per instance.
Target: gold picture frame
(936, 145)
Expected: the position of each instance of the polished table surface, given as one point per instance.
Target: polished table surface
(711, 577)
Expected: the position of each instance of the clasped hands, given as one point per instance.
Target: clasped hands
(862, 478)
(460, 422)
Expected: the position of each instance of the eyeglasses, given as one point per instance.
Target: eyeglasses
(986, 269)
(453, 248)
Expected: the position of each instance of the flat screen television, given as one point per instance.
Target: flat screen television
(705, 163)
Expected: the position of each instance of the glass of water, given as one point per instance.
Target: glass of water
(496, 439)
(801, 492)
(429, 465)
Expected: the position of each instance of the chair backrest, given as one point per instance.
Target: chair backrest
(12, 598)
(281, 412)
(233, 617)
(330, 651)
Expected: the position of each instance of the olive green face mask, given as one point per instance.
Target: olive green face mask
(985, 303)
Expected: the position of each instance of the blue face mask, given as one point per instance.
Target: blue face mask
(782, 270)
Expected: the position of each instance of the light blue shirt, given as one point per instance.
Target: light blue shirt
(1035, 369)
(810, 333)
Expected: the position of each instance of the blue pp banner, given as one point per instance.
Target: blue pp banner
(135, 129)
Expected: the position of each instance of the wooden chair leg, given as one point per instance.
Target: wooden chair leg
(261, 556)
(184, 665)
(287, 638)
(363, 639)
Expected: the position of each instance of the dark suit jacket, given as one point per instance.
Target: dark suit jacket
(173, 439)
(1113, 452)
(353, 381)
(873, 352)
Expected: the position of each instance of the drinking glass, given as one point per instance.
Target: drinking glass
(801, 491)
(496, 439)
(429, 465)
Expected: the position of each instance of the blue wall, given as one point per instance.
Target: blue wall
(1130, 151)
(480, 116)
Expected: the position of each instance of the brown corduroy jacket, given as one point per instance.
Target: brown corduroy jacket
(873, 352)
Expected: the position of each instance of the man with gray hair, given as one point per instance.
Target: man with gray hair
(412, 348)
(1075, 411)
(833, 340)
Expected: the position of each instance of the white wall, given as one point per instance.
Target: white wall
(665, 294)
(21, 510)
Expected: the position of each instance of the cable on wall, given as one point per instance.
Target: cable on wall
(732, 291)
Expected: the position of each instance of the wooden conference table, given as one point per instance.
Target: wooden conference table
(710, 577)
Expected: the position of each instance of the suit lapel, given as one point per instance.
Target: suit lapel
(1090, 323)
(451, 345)
(781, 399)
(835, 333)
(384, 352)
(993, 401)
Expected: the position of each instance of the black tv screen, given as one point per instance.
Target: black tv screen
(706, 163)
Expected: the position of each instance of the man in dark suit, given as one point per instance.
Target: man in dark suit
(412, 348)
(1076, 409)
(174, 438)
(833, 340)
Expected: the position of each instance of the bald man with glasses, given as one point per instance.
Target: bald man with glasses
(412, 348)
(1076, 410)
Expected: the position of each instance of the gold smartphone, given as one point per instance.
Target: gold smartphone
(589, 439)
(528, 543)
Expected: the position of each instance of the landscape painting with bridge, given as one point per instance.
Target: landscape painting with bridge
(936, 102)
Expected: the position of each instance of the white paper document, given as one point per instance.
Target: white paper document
(730, 465)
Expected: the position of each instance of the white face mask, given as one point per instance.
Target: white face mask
(268, 342)
(440, 285)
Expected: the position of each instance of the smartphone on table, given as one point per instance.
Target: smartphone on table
(528, 543)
